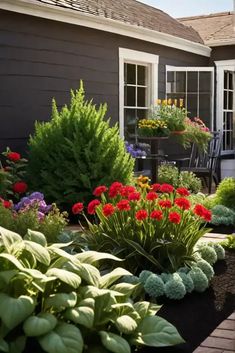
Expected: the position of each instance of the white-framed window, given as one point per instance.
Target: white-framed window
(138, 88)
(225, 105)
(195, 85)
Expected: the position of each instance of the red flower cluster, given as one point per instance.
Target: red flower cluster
(108, 209)
(124, 205)
(134, 196)
(182, 192)
(115, 189)
(174, 217)
(20, 187)
(125, 191)
(99, 190)
(156, 187)
(202, 212)
(13, 156)
(77, 208)
(141, 215)
(183, 203)
(166, 188)
(158, 215)
(151, 196)
(165, 203)
(91, 208)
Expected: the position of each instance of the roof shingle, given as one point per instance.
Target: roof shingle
(213, 28)
(130, 12)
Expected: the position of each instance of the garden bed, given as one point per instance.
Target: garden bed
(198, 314)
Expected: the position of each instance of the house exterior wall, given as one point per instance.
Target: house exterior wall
(41, 59)
(226, 52)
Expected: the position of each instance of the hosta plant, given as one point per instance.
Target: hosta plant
(60, 303)
(153, 229)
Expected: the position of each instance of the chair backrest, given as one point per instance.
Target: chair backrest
(209, 158)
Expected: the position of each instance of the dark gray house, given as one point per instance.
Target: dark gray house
(127, 53)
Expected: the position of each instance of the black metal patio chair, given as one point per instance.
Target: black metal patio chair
(206, 164)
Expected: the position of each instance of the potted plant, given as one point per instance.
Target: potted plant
(173, 115)
(153, 128)
(195, 132)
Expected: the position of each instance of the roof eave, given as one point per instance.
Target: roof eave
(220, 43)
(65, 15)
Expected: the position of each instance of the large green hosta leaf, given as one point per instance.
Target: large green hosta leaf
(113, 276)
(70, 278)
(87, 272)
(157, 332)
(90, 257)
(3, 345)
(126, 324)
(15, 310)
(65, 338)
(114, 343)
(60, 301)
(39, 325)
(36, 237)
(41, 254)
(82, 315)
(10, 239)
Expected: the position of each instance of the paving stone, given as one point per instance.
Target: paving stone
(227, 325)
(207, 350)
(223, 333)
(232, 316)
(217, 342)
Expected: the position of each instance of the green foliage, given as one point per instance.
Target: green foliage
(154, 286)
(206, 268)
(225, 193)
(200, 280)
(76, 151)
(207, 253)
(187, 281)
(144, 275)
(219, 250)
(174, 288)
(223, 215)
(171, 175)
(65, 303)
(51, 225)
(229, 242)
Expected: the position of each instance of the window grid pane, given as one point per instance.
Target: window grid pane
(228, 111)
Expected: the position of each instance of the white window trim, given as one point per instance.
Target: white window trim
(137, 57)
(222, 66)
(195, 69)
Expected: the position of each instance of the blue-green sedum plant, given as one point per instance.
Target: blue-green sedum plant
(63, 304)
(174, 287)
(208, 253)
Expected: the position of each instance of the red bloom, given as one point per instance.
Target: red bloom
(207, 216)
(158, 215)
(134, 196)
(174, 217)
(114, 189)
(199, 210)
(13, 156)
(156, 187)
(183, 191)
(6, 203)
(108, 209)
(99, 190)
(92, 206)
(202, 212)
(123, 205)
(20, 187)
(182, 203)
(167, 188)
(151, 196)
(165, 203)
(141, 215)
(77, 208)
(126, 190)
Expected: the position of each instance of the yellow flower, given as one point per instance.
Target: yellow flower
(181, 103)
(143, 179)
(164, 102)
(175, 102)
(169, 101)
(144, 186)
(159, 101)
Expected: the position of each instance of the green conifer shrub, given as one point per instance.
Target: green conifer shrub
(76, 151)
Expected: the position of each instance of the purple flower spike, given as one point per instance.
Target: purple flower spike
(36, 196)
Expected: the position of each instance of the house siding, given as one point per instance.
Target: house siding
(226, 52)
(41, 59)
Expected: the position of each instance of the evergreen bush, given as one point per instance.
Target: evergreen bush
(225, 193)
(76, 151)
